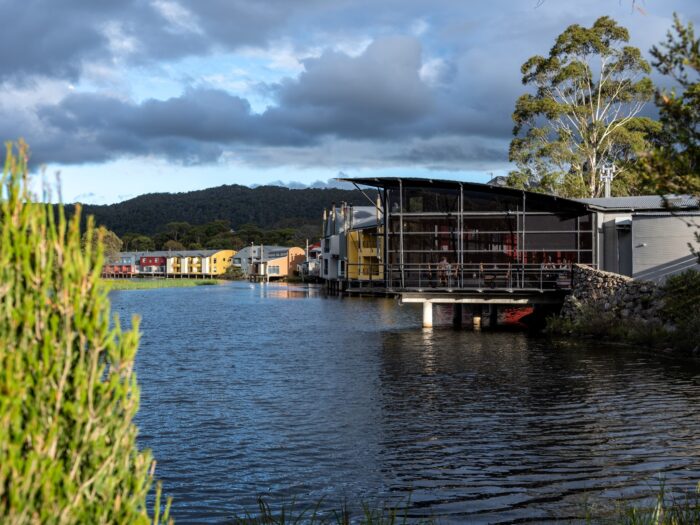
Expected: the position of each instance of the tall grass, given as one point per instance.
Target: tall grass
(666, 509)
(293, 515)
(68, 393)
(152, 284)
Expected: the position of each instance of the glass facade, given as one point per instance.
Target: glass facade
(468, 236)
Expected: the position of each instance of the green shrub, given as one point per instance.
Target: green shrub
(68, 393)
(234, 273)
(594, 322)
(682, 308)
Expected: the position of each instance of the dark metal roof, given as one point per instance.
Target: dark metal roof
(643, 202)
(395, 182)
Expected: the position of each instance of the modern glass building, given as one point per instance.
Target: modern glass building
(459, 236)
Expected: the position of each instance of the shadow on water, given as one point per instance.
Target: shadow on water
(280, 391)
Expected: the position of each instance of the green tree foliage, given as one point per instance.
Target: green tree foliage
(68, 393)
(674, 167)
(177, 231)
(681, 298)
(142, 243)
(111, 244)
(582, 114)
(173, 246)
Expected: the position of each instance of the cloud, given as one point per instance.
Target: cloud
(319, 184)
(355, 84)
(192, 128)
(378, 94)
(372, 95)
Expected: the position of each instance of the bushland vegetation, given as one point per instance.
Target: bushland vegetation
(218, 234)
(267, 207)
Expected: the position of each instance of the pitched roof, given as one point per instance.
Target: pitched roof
(643, 202)
(173, 253)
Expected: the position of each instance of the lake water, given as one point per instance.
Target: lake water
(276, 390)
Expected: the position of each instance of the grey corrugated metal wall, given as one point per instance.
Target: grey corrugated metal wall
(658, 241)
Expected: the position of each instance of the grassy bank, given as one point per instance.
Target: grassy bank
(149, 284)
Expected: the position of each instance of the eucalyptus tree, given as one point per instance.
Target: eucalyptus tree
(674, 167)
(582, 115)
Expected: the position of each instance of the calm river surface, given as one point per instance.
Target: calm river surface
(275, 390)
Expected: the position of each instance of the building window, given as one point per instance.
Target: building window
(325, 266)
(342, 268)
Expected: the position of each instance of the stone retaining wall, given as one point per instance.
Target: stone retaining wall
(617, 295)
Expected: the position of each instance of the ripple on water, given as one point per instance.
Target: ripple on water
(272, 391)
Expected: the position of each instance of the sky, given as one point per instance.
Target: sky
(142, 96)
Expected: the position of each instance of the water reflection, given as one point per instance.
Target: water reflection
(286, 291)
(276, 390)
(522, 432)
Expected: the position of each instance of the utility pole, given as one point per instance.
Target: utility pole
(607, 173)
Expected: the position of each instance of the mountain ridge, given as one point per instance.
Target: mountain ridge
(264, 206)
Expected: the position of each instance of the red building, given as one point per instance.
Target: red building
(118, 270)
(152, 264)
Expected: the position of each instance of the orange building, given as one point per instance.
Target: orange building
(276, 264)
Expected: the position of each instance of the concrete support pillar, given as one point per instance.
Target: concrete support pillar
(493, 316)
(427, 314)
(457, 315)
(476, 317)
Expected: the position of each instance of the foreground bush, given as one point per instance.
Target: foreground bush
(682, 308)
(68, 393)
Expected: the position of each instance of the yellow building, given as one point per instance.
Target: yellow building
(198, 263)
(218, 262)
(364, 254)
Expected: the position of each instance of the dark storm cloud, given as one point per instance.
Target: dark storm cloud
(440, 95)
(373, 95)
(56, 37)
(191, 128)
(46, 37)
(452, 151)
(378, 94)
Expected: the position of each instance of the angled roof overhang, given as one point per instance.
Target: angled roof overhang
(551, 201)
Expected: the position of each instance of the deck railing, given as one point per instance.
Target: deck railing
(479, 277)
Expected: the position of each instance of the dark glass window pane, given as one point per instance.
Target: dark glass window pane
(586, 222)
(502, 223)
(585, 240)
(488, 201)
(550, 241)
(420, 200)
(549, 223)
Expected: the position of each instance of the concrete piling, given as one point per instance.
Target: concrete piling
(427, 314)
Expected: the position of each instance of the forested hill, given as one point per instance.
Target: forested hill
(264, 206)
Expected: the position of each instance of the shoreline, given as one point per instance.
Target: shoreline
(156, 284)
